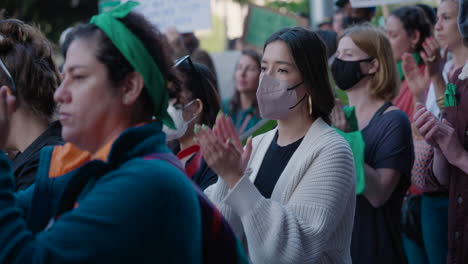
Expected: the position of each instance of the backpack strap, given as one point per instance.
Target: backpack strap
(219, 242)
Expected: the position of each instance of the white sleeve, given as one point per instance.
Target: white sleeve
(217, 192)
(298, 232)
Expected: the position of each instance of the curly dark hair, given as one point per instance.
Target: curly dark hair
(27, 55)
(235, 103)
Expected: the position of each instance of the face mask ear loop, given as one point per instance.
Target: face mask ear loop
(298, 102)
(194, 116)
(367, 60)
(295, 86)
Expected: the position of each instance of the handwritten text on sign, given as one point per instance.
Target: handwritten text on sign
(185, 15)
(369, 3)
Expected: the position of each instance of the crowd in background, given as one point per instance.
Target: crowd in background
(348, 144)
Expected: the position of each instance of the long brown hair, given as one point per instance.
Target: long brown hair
(385, 83)
(235, 103)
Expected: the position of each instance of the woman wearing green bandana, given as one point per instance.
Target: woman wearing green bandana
(113, 193)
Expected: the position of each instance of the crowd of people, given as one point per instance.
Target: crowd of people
(348, 144)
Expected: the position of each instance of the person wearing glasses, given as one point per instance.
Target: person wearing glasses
(198, 104)
(290, 194)
(29, 73)
(114, 193)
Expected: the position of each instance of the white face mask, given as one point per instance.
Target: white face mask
(177, 116)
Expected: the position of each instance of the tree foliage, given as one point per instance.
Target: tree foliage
(52, 16)
(297, 6)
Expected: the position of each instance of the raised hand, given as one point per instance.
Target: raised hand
(427, 124)
(432, 56)
(224, 129)
(338, 117)
(418, 81)
(226, 158)
(448, 142)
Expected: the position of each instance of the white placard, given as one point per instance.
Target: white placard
(225, 65)
(370, 3)
(185, 15)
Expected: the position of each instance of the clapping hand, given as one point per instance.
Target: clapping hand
(440, 134)
(223, 150)
(418, 81)
(338, 117)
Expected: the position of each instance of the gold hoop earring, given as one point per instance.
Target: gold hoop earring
(310, 105)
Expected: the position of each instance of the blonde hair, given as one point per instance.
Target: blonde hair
(385, 83)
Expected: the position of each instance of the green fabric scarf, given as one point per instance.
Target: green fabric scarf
(450, 98)
(136, 54)
(358, 147)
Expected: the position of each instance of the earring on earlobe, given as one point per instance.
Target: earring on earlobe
(310, 105)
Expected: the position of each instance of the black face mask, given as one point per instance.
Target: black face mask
(348, 73)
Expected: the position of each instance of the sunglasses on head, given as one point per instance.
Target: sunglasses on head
(4, 68)
(184, 59)
(198, 78)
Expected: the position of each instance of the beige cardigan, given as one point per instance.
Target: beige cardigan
(309, 218)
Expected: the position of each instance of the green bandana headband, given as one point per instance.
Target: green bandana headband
(136, 54)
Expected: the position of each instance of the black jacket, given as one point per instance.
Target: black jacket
(25, 163)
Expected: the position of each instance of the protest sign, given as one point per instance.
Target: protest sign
(261, 22)
(185, 15)
(370, 3)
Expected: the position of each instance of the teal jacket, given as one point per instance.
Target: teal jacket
(239, 117)
(127, 209)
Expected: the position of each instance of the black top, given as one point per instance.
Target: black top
(25, 163)
(274, 162)
(205, 176)
(377, 233)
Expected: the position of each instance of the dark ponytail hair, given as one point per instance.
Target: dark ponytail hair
(200, 83)
(414, 19)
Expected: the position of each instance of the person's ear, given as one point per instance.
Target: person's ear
(11, 93)
(194, 110)
(414, 38)
(132, 87)
(374, 66)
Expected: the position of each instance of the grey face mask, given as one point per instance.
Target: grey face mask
(276, 98)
